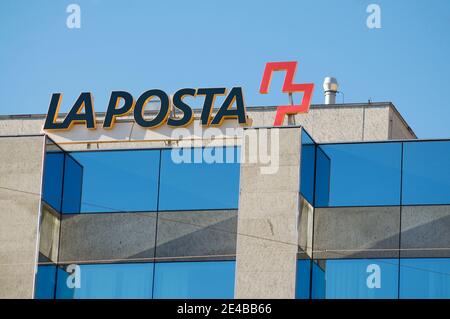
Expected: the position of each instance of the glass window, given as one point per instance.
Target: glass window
(356, 279)
(360, 175)
(73, 179)
(323, 166)
(426, 173)
(119, 181)
(318, 280)
(199, 178)
(194, 280)
(307, 167)
(424, 278)
(45, 282)
(302, 281)
(107, 281)
(53, 179)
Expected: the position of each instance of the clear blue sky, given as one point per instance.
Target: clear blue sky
(139, 45)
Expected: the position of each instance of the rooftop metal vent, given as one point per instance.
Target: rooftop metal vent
(330, 87)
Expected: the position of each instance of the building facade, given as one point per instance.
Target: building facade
(354, 207)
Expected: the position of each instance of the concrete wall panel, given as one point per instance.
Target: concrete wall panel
(20, 182)
(376, 123)
(326, 123)
(197, 235)
(356, 232)
(267, 241)
(108, 237)
(425, 231)
(399, 129)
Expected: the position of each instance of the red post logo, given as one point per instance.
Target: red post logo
(288, 87)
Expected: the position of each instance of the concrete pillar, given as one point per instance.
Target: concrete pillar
(20, 187)
(267, 240)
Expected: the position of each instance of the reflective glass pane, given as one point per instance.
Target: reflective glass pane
(73, 179)
(194, 280)
(424, 278)
(356, 279)
(426, 173)
(109, 281)
(306, 138)
(53, 179)
(318, 280)
(199, 178)
(302, 280)
(119, 181)
(307, 167)
(45, 282)
(323, 166)
(359, 174)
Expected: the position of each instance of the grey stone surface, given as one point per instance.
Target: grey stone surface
(399, 129)
(356, 232)
(20, 182)
(109, 237)
(326, 124)
(197, 235)
(267, 241)
(21, 126)
(425, 231)
(376, 123)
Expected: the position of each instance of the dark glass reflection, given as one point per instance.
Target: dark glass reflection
(45, 282)
(73, 180)
(307, 167)
(53, 179)
(360, 174)
(323, 167)
(303, 278)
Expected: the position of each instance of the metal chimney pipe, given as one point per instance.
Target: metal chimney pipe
(330, 87)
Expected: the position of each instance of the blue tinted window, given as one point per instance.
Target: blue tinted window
(302, 280)
(426, 173)
(306, 138)
(356, 279)
(110, 281)
(194, 280)
(188, 185)
(318, 281)
(425, 278)
(307, 167)
(323, 166)
(52, 180)
(115, 181)
(360, 175)
(73, 178)
(45, 282)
